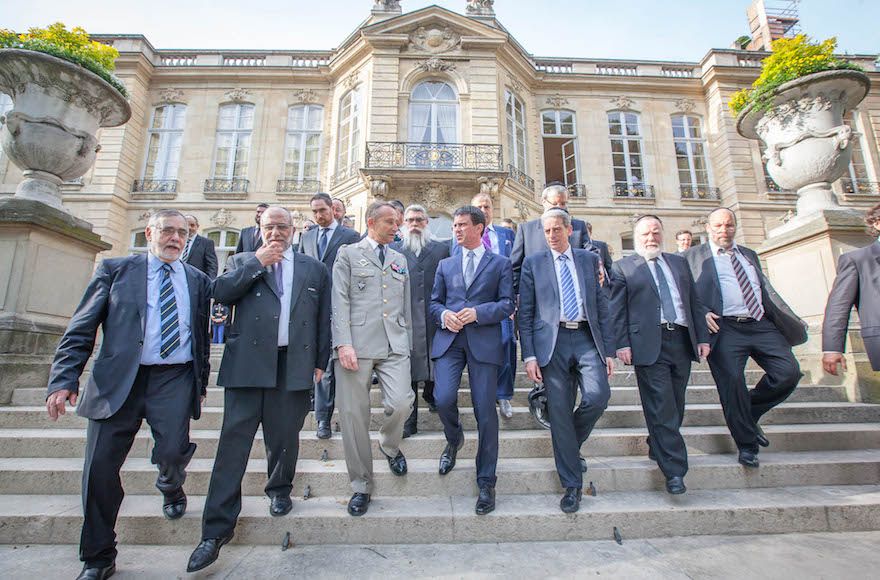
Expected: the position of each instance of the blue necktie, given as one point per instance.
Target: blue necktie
(569, 299)
(666, 304)
(322, 243)
(168, 317)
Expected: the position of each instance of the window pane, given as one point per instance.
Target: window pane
(678, 131)
(231, 239)
(616, 146)
(226, 120)
(152, 156)
(684, 177)
(617, 160)
(636, 175)
(224, 151)
(619, 175)
(681, 148)
(316, 118)
(295, 118)
(214, 237)
(179, 119)
(683, 164)
(241, 155)
(159, 117)
(694, 123)
(140, 240)
(632, 125)
(633, 146)
(246, 119)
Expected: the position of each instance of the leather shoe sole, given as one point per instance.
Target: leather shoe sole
(281, 506)
(396, 464)
(748, 459)
(97, 573)
(761, 437)
(675, 485)
(210, 550)
(174, 510)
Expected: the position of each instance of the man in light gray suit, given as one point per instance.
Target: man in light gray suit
(372, 331)
(855, 285)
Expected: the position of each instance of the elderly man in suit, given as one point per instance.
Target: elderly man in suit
(567, 343)
(473, 293)
(322, 243)
(278, 344)
(855, 285)
(746, 318)
(199, 250)
(153, 365)
(249, 239)
(422, 256)
(660, 328)
(372, 331)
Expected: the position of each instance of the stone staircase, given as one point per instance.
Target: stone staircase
(821, 473)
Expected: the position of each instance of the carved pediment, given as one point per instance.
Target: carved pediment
(433, 39)
(433, 31)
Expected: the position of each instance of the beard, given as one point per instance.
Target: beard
(416, 239)
(649, 253)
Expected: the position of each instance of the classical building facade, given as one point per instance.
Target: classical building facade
(430, 107)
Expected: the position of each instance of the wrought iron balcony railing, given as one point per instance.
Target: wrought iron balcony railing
(226, 185)
(345, 173)
(635, 191)
(577, 190)
(700, 192)
(520, 177)
(154, 186)
(438, 156)
(860, 186)
(298, 186)
(773, 186)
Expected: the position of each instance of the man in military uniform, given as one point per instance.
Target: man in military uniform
(372, 332)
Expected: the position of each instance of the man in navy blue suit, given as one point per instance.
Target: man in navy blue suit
(473, 293)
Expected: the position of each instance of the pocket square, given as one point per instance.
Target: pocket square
(312, 289)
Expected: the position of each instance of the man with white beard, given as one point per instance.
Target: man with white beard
(423, 254)
(660, 329)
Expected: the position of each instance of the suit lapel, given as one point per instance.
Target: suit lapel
(140, 273)
(333, 241)
(191, 285)
(270, 281)
(487, 256)
(550, 274)
(643, 266)
(584, 277)
(368, 251)
(299, 261)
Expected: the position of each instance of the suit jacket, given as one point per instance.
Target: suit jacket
(490, 294)
(857, 284)
(246, 240)
(372, 310)
(505, 242)
(604, 253)
(702, 266)
(422, 271)
(116, 300)
(530, 240)
(203, 256)
(635, 304)
(250, 358)
(342, 235)
(540, 305)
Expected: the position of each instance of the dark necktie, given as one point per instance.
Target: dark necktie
(170, 336)
(279, 277)
(381, 254)
(756, 311)
(666, 304)
(322, 243)
(187, 249)
(469, 269)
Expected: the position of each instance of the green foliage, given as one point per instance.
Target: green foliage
(743, 41)
(71, 45)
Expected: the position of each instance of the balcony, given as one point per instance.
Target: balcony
(434, 156)
(226, 188)
(635, 191)
(154, 189)
(345, 174)
(577, 191)
(520, 177)
(689, 192)
(286, 187)
(860, 187)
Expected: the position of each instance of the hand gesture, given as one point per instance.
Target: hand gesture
(452, 322)
(55, 402)
(270, 254)
(711, 317)
(467, 315)
(830, 360)
(534, 371)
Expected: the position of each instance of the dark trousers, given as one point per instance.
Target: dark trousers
(325, 394)
(575, 365)
(662, 387)
(163, 395)
(483, 380)
(427, 396)
(282, 413)
(507, 373)
(736, 342)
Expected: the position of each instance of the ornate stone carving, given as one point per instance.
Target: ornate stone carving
(433, 39)
(622, 102)
(298, 216)
(238, 95)
(515, 84)
(434, 196)
(306, 96)
(222, 218)
(490, 186)
(480, 8)
(171, 95)
(380, 186)
(387, 6)
(145, 217)
(557, 101)
(352, 79)
(684, 105)
(523, 209)
(435, 64)
(699, 222)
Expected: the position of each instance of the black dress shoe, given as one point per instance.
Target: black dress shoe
(486, 501)
(761, 437)
(432, 406)
(447, 458)
(583, 463)
(571, 501)
(174, 506)
(409, 430)
(281, 506)
(206, 553)
(675, 485)
(396, 463)
(748, 458)
(97, 573)
(358, 504)
(324, 430)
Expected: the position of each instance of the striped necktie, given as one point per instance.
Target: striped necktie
(756, 311)
(569, 300)
(168, 309)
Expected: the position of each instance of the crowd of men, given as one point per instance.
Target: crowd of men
(339, 312)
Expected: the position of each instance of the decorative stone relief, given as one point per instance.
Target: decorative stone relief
(298, 216)
(433, 39)
(238, 95)
(621, 102)
(435, 64)
(222, 218)
(490, 186)
(480, 8)
(523, 210)
(515, 84)
(306, 96)
(387, 6)
(700, 222)
(380, 186)
(684, 105)
(434, 196)
(145, 217)
(557, 101)
(171, 95)
(351, 80)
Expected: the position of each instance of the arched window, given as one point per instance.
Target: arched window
(164, 141)
(303, 146)
(690, 155)
(224, 245)
(626, 154)
(235, 126)
(349, 131)
(433, 113)
(560, 147)
(516, 131)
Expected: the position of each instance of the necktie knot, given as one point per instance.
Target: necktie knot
(471, 254)
(166, 267)
(562, 257)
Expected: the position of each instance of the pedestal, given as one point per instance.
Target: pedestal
(802, 264)
(47, 258)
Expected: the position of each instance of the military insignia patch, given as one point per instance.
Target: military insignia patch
(361, 284)
(363, 262)
(398, 268)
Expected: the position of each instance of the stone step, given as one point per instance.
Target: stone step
(524, 443)
(619, 396)
(57, 519)
(515, 476)
(32, 417)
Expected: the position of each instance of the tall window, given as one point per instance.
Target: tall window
(5, 107)
(225, 242)
(138, 243)
(235, 126)
(516, 131)
(433, 113)
(560, 147)
(303, 149)
(164, 141)
(626, 152)
(349, 130)
(858, 168)
(690, 152)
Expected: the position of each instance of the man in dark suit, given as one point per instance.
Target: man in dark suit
(199, 250)
(322, 242)
(473, 293)
(277, 346)
(153, 365)
(661, 328)
(423, 254)
(567, 340)
(746, 318)
(602, 249)
(855, 285)
(338, 210)
(684, 239)
(249, 240)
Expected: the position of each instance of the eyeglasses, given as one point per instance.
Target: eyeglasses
(416, 220)
(170, 231)
(283, 228)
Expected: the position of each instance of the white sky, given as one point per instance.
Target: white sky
(628, 29)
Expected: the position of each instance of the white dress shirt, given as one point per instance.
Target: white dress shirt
(331, 229)
(731, 293)
(478, 255)
(153, 332)
(680, 318)
(287, 281)
(557, 265)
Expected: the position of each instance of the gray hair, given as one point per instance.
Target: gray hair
(556, 213)
(164, 213)
(555, 189)
(376, 207)
(416, 207)
(282, 208)
(189, 215)
(484, 196)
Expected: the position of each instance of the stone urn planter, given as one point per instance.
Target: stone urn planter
(808, 145)
(50, 132)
